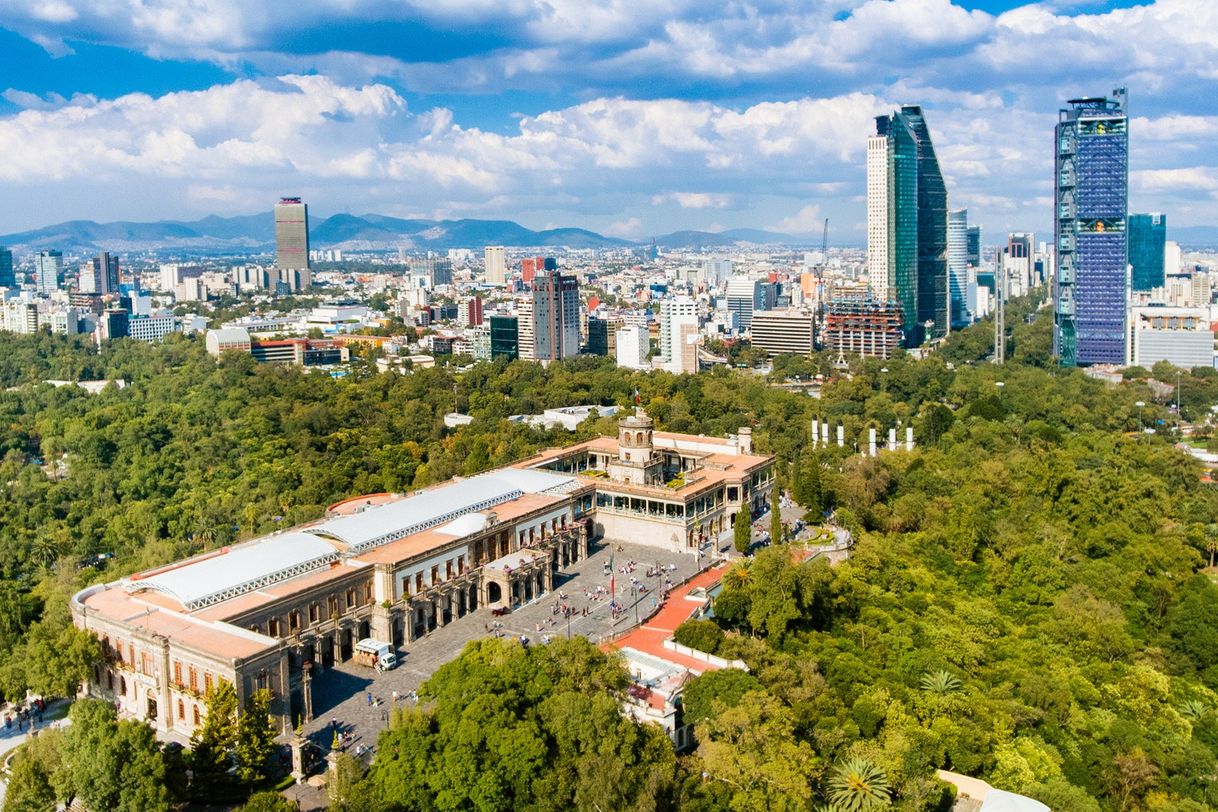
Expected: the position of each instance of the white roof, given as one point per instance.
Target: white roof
(997, 800)
(381, 524)
(210, 579)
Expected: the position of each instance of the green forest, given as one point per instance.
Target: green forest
(1028, 601)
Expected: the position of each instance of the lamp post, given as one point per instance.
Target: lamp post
(1178, 415)
(1141, 420)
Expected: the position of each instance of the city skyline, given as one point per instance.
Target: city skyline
(627, 122)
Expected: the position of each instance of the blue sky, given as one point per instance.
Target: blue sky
(625, 117)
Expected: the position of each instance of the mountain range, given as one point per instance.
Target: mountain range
(256, 232)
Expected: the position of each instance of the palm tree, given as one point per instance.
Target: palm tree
(45, 551)
(857, 785)
(1194, 710)
(738, 576)
(941, 682)
(1211, 547)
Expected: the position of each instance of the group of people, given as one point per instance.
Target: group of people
(29, 716)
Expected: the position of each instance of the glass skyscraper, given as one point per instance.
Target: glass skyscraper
(1091, 200)
(1147, 244)
(957, 267)
(974, 246)
(291, 234)
(907, 223)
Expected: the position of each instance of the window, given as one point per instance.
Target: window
(177, 673)
(418, 582)
(122, 686)
(196, 715)
(294, 620)
(194, 679)
(435, 574)
(460, 565)
(147, 666)
(332, 601)
(273, 626)
(206, 683)
(131, 654)
(314, 613)
(181, 709)
(448, 570)
(350, 598)
(109, 680)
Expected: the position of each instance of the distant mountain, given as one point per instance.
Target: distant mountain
(256, 232)
(731, 237)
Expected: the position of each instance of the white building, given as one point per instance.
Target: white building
(633, 344)
(877, 216)
(673, 312)
(527, 329)
(783, 332)
(744, 296)
(495, 260)
(227, 338)
(1181, 336)
(151, 328)
(48, 271)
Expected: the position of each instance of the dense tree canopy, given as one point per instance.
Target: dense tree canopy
(1028, 600)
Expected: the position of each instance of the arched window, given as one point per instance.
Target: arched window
(122, 686)
(196, 708)
(294, 620)
(181, 709)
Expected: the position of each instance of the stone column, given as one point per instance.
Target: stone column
(306, 692)
(298, 771)
(166, 696)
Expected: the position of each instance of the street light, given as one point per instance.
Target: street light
(1141, 420)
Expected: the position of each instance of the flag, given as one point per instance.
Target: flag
(612, 579)
(637, 399)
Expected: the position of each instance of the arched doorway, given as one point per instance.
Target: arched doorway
(346, 645)
(364, 630)
(473, 598)
(494, 593)
(151, 705)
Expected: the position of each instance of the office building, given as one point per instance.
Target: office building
(227, 339)
(114, 323)
(8, 279)
(1016, 262)
(151, 328)
(292, 240)
(783, 332)
(495, 262)
(633, 346)
(526, 328)
(686, 342)
(1182, 336)
(671, 311)
(555, 316)
(65, 321)
(957, 268)
(430, 271)
(106, 274)
(907, 223)
(599, 331)
(470, 313)
(278, 611)
(19, 316)
(1147, 247)
(505, 337)
(974, 246)
(48, 271)
(1091, 192)
(744, 297)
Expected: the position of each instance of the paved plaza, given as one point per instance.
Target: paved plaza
(342, 693)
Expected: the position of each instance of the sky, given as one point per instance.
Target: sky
(629, 118)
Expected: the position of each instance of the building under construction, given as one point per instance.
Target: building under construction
(862, 325)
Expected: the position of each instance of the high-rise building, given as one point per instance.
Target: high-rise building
(431, 271)
(671, 310)
(555, 316)
(957, 267)
(1017, 265)
(633, 345)
(974, 246)
(495, 260)
(505, 337)
(600, 336)
(471, 312)
(744, 296)
(105, 272)
(1091, 202)
(291, 235)
(907, 223)
(526, 326)
(1147, 246)
(783, 332)
(7, 278)
(863, 326)
(48, 271)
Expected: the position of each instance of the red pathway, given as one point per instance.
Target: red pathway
(649, 638)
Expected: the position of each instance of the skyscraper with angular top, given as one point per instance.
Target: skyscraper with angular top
(907, 223)
(1091, 291)
(291, 234)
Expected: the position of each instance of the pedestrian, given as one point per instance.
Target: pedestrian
(395, 697)
(370, 697)
(384, 716)
(334, 724)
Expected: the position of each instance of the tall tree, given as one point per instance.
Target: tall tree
(213, 742)
(777, 535)
(255, 738)
(742, 530)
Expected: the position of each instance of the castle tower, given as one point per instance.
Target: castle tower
(634, 438)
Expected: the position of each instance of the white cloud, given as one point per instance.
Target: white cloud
(807, 220)
(692, 200)
(629, 228)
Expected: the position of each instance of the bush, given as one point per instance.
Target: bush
(702, 635)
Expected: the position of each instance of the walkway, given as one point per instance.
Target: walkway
(342, 693)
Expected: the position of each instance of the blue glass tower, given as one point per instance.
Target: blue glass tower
(1091, 292)
(1147, 244)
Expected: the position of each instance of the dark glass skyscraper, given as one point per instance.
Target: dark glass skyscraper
(1091, 200)
(1147, 244)
(974, 246)
(907, 223)
(505, 337)
(7, 278)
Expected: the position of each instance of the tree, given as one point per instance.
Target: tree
(255, 738)
(940, 682)
(29, 786)
(268, 802)
(110, 764)
(705, 695)
(702, 635)
(742, 530)
(213, 742)
(344, 780)
(811, 490)
(776, 529)
(857, 785)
